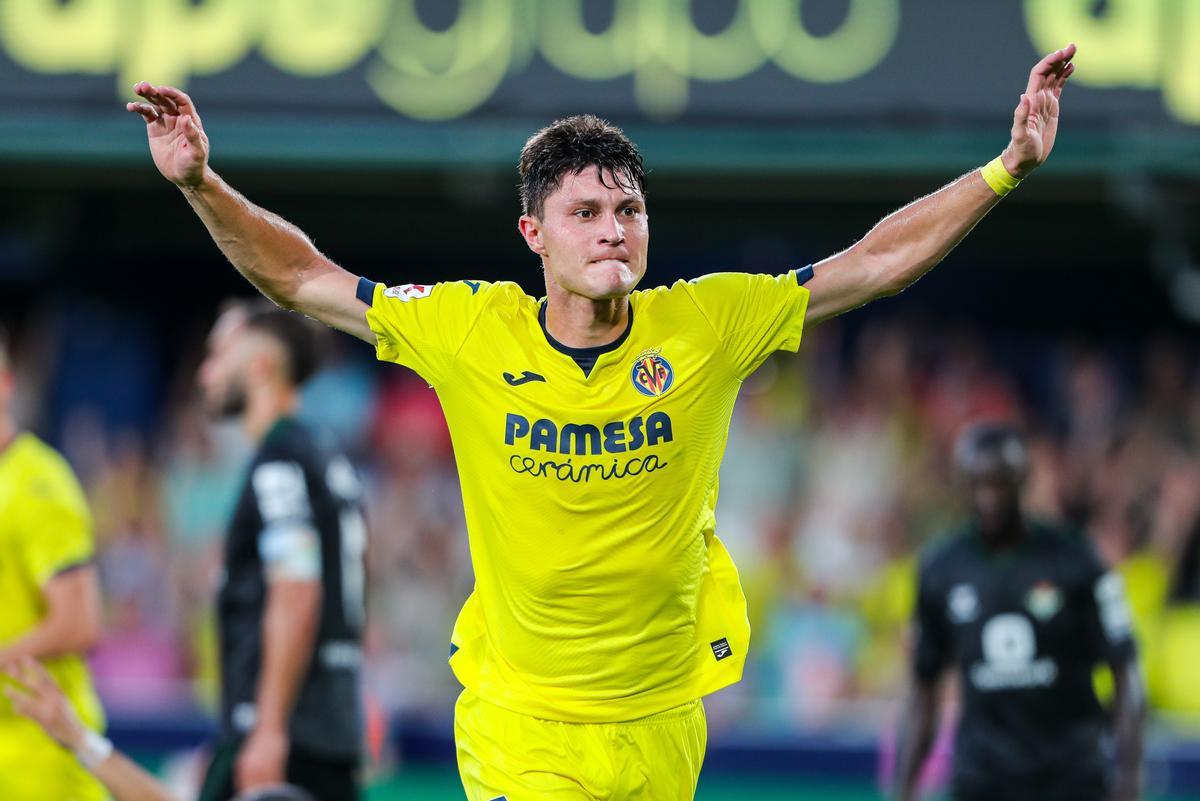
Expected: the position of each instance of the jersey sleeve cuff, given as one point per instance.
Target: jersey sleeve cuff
(366, 291)
(794, 328)
(385, 350)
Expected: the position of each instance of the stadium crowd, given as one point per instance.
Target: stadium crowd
(837, 471)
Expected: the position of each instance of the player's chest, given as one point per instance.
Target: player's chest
(637, 386)
(991, 602)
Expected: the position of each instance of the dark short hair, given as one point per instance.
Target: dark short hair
(991, 440)
(5, 354)
(571, 145)
(297, 334)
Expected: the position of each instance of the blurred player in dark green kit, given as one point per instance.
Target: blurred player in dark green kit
(1023, 611)
(290, 606)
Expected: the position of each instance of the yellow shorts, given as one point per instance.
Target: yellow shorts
(506, 755)
(34, 768)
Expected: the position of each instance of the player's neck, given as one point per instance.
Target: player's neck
(580, 322)
(1008, 538)
(265, 406)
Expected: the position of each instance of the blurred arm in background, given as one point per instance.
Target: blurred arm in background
(72, 622)
(270, 252)
(40, 699)
(908, 243)
(918, 727)
(289, 625)
(931, 655)
(1129, 713)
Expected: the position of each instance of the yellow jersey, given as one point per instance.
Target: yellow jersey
(602, 593)
(45, 528)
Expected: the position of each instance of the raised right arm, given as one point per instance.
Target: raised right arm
(270, 252)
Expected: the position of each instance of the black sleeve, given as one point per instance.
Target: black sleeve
(931, 650)
(1108, 621)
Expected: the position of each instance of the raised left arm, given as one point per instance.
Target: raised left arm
(909, 242)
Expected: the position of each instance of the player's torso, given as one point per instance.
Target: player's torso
(1017, 621)
(587, 495)
(1031, 726)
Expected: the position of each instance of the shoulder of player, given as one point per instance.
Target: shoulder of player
(1071, 549)
(43, 470)
(1060, 538)
(478, 292)
(713, 290)
(695, 292)
(944, 549)
(314, 449)
(287, 447)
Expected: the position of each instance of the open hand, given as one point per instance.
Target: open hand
(1035, 120)
(39, 698)
(178, 143)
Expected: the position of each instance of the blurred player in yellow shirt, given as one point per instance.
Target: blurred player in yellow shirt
(50, 604)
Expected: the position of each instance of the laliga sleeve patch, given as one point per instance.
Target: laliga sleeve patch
(1115, 614)
(406, 292)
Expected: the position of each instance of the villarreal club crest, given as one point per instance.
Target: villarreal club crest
(652, 374)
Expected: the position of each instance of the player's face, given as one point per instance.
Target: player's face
(222, 374)
(995, 492)
(592, 235)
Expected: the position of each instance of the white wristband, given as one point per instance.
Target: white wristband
(94, 749)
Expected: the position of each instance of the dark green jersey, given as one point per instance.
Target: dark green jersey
(298, 517)
(1025, 630)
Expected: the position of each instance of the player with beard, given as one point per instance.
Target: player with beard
(290, 608)
(1024, 612)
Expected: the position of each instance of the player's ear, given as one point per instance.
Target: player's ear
(531, 231)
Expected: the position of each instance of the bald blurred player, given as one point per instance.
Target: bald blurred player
(1023, 612)
(290, 609)
(49, 603)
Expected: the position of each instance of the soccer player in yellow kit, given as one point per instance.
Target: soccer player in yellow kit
(588, 429)
(49, 604)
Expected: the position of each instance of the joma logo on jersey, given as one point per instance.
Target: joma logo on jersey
(652, 374)
(585, 438)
